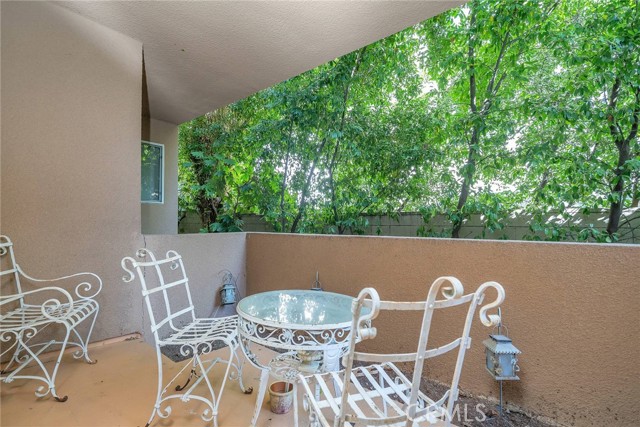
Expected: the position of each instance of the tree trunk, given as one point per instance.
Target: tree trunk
(283, 218)
(624, 154)
(616, 206)
(477, 117)
(334, 157)
(466, 184)
(305, 189)
(473, 142)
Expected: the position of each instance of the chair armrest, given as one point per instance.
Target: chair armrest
(63, 302)
(83, 287)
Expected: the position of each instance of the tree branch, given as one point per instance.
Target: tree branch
(613, 102)
(636, 114)
(496, 68)
(472, 66)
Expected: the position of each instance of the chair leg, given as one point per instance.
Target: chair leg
(84, 347)
(15, 358)
(57, 365)
(191, 375)
(216, 402)
(212, 403)
(156, 405)
(240, 367)
(262, 388)
(48, 377)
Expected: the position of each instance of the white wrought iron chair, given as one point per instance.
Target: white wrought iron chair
(380, 393)
(26, 315)
(175, 324)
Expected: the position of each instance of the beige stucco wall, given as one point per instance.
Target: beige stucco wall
(571, 308)
(71, 150)
(162, 218)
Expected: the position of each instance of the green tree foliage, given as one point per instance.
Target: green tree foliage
(498, 108)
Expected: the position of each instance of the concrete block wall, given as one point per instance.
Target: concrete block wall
(407, 225)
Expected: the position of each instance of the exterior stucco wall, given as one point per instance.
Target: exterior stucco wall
(570, 308)
(71, 97)
(162, 218)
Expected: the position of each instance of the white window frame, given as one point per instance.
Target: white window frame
(161, 201)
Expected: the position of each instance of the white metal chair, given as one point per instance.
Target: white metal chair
(380, 393)
(26, 315)
(175, 324)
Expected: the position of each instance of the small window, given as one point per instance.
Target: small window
(152, 173)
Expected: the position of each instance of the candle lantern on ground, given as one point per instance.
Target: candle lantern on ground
(502, 358)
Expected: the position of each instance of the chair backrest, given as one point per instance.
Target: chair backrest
(8, 266)
(452, 295)
(170, 276)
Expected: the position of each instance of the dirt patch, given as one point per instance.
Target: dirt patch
(479, 412)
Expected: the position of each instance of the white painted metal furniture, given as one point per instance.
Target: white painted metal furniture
(312, 327)
(380, 393)
(173, 323)
(29, 317)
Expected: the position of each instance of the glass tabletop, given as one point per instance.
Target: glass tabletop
(298, 307)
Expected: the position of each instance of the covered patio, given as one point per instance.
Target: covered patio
(120, 392)
(84, 82)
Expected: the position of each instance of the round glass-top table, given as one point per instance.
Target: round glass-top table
(297, 320)
(299, 310)
(307, 322)
(312, 327)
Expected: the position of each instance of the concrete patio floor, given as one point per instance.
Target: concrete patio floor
(120, 390)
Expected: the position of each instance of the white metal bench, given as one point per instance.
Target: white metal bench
(26, 315)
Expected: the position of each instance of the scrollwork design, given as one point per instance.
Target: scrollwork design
(294, 338)
(207, 415)
(142, 253)
(453, 290)
(490, 319)
(362, 322)
(5, 244)
(54, 310)
(164, 413)
(130, 276)
(82, 287)
(41, 392)
(313, 417)
(285, 367)
(129, 264)
(175, 263)
(8, 336)
(187, 350)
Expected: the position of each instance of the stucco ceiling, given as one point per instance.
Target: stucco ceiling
(202, 55)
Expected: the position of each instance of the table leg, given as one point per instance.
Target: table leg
(295, 403)
(262, 388)
(332, 364)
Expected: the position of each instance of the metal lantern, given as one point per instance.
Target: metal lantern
(228, 290)
(502, 357)
(316, 285)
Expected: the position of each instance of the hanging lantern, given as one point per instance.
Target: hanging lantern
(502, 358)
(228, 290)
